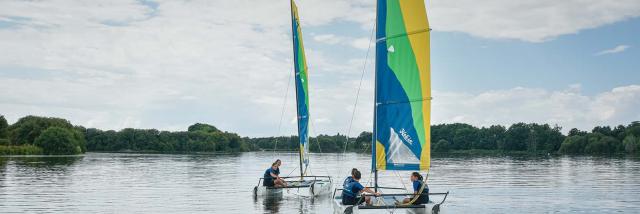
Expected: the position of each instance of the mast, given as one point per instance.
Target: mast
(302, 91)
(295, 60)
(375, 112)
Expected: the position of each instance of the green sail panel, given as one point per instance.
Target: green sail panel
(302, 88)
(402, 87)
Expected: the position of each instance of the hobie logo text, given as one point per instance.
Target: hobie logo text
(406, 136)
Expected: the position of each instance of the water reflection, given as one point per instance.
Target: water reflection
(59, 162)
(271, 203)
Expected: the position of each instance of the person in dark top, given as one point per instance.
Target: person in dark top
(417, 181)
(351, 194)
(349, 179)
(279, 179)
(272, 178)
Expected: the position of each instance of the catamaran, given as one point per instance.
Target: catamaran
(402, 105)
(309, 185)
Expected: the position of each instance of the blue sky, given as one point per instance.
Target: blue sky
(168, 64)
(464, 63)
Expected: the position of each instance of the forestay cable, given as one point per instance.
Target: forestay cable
(355, 105)
(284, 103)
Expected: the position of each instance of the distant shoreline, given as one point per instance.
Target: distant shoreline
(33, 135)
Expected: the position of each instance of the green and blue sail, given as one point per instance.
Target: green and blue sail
(302, 87)
(402, 87)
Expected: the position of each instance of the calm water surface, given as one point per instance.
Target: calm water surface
(148, 183)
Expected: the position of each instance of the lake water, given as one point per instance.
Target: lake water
(150, 183)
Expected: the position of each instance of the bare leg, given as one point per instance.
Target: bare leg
(367, 199)
(406, 200)
(282, 182)
(278, 183)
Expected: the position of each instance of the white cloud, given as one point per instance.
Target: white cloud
(330, 39)
(361, 43)
(617, 49)
(567, 108)
(527, 20)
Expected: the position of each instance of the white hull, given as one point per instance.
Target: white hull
(317, 188)
(339, 208)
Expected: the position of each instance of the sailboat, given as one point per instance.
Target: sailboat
(402, 103)
(310, 185)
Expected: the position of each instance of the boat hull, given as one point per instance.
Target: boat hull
(304, 188)
(340, 208)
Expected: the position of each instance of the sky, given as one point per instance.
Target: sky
(169, 64)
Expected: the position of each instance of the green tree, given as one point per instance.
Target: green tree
(3, 131)
(573, 144)
(605, 130)
(3, 127)
(517, 137)
(490, 138)
(632, 144)
(28, 128)
(576, 132)
(464, 137)
(441, 146)
(202, 127)
(58, 141)
(601, 144)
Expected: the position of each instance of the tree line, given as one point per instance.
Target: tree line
(198, 138)
(46, 135)
(33, 135)
(537, 138)
(529, 138)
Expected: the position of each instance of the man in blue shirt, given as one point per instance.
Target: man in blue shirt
(423, 198)
(349, 179)
(351, 193)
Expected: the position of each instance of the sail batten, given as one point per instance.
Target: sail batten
(302, 89)
(402, 87)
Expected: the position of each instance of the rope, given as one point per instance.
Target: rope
(355, 104)
(294, 169)
(284, 102)
(313, 128)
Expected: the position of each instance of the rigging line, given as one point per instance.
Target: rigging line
(313, 128)
(294, 169)
(401, 181)
(355, 105)
(284, 102)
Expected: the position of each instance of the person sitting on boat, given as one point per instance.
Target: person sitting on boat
(351, 194)
(279, 162)
(349, 179)
(418, 183)
(272, 178)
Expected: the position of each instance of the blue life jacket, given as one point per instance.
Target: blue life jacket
(352, 189)
(424, 196)
(347, 181)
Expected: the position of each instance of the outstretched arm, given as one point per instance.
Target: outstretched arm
(367, 189)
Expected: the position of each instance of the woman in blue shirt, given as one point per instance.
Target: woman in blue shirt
(416, 179)
(272, 176)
